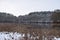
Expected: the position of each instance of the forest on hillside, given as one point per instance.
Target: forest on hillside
(32, 16)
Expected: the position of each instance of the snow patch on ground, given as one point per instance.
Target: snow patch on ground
(56, 38)
(11, 36)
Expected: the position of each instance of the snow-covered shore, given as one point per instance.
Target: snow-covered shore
(17, 36)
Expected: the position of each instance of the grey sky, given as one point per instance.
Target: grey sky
(22, 7)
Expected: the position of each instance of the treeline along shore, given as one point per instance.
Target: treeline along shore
(42, 19)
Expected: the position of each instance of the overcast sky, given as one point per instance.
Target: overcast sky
(22, 7)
